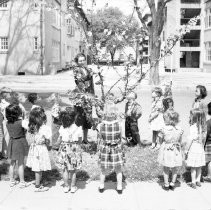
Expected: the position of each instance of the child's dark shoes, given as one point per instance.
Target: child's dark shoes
(198, 184)
(101, 190)
(193, 185)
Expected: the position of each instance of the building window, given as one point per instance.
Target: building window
(4, 43)
(35, 43)
(208, 51)
(191, 39)
(189, 59)
(190, 1)
(55, 51)
(208, 18)
(4, 4)
(187, 14)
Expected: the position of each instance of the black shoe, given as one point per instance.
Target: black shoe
(172, 187)
(119, 191)
(85, 142)
(101, 190)
(165, 188)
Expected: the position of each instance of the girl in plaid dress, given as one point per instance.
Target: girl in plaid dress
(111, 157)
(69, 156)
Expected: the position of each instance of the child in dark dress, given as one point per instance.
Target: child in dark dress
(18, 146)
(208, 147)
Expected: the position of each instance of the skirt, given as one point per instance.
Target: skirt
(38, 158)
(196, 155)
(69, 156)
(111, 157)
(170, 155)
(158, 123)
(17, 149)
(208, 151)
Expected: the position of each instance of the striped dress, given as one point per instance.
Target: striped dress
(111, 155)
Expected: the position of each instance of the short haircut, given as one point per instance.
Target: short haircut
(32, 97)
(203, 91)
(13, 112)
(67, 118)
(78, 56)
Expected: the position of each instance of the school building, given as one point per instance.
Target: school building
(40, 37)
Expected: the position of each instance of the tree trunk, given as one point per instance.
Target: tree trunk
(112, 58)
(155, 45)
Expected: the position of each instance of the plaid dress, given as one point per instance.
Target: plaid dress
(111, 155)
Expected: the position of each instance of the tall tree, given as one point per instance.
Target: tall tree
(157, 9)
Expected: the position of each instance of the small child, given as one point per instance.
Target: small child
(39, 135)
(18, 146)
(133, 112)
(111, 155)
(69, 155)
(195, 146)
(33, 99)
(156, 116)
(208, 147)
(170, 154)
(168, 104)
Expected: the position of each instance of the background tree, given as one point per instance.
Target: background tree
(157, 9)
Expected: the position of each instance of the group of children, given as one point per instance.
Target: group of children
(167, 137)
(29, 136)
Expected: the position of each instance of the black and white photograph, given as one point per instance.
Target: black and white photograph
(105, 104)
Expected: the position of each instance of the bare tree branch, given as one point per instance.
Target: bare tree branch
(140, 16)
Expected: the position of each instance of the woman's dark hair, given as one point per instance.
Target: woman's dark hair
(37, 118)
(171, 118)
(67, 118)
(78, 56)
(166, 102)
(32, 97)
(203, 91)
(13, 112)
(209, 108)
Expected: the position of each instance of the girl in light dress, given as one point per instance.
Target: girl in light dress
(170, 154)
(69, 157)
(38, 135)
(195, 146)
(156, 116)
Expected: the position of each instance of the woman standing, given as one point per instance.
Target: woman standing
(84, 81)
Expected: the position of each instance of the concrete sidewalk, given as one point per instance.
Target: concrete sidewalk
(136, 196)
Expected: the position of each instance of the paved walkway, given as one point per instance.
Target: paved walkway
(64, 81)
(136, 196)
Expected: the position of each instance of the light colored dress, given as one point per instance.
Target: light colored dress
(3, 105)
(170, 154)
(196, 154)
(157, 110)
(38, 157)
(70, 154)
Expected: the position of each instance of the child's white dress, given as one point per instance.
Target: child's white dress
(38, 157)
(157, 110)
(170, 154)
(196, 154)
